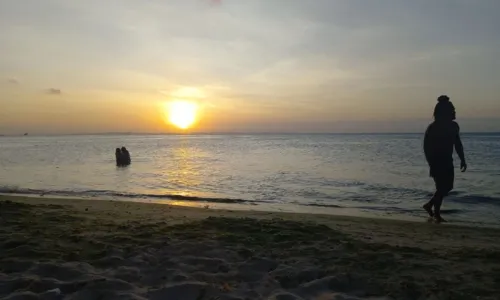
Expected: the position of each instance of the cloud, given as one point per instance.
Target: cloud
(323, 58)
(13, 81)
(53, 91)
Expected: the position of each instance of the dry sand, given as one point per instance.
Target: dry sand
(91, 249)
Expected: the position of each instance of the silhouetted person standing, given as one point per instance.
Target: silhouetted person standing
(119, 157)
(441, 137)
(126, 157)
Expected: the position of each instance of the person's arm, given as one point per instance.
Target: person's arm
(427, 146)
(459, 147)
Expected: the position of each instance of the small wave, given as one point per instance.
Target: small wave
(360, 198)
(322, 205)
(408, 211)
(453, 211)
(399, 190)
(476, 199)
(9, 189)
(107, 193)
(388, 209)
(452, 193)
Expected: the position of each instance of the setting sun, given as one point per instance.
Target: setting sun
(182, 114)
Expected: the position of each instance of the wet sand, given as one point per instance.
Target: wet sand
(91, 249)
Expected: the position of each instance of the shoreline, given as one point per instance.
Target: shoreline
(262, 206)
(199, 210)
(245, 205)
(89, 249)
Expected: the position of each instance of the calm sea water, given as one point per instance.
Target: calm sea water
(379, 175)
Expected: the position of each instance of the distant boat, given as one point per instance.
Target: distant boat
(26, 134)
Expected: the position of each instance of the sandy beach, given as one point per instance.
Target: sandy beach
(91, 249)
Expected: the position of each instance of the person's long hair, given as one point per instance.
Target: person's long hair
(444, 110)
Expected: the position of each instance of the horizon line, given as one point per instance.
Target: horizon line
(231, 133)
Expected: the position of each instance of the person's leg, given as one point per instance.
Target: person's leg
(443, 191)
(446, 183)
(428, 206)
(438, 200)
(443, 176)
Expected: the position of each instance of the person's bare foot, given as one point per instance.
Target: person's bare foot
(428, 209)
(439, 219)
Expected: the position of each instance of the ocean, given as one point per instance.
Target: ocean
(378, 175)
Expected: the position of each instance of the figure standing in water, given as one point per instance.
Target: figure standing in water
(119, 158)
(122, 157)
(441, 137)
(126, 157)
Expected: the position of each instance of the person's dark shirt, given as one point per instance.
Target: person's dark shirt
(126, 157)
(439, 141)
(119, 158)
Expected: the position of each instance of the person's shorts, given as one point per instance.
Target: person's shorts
(444, 177)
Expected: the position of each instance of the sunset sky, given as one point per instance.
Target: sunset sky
(250, 65)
